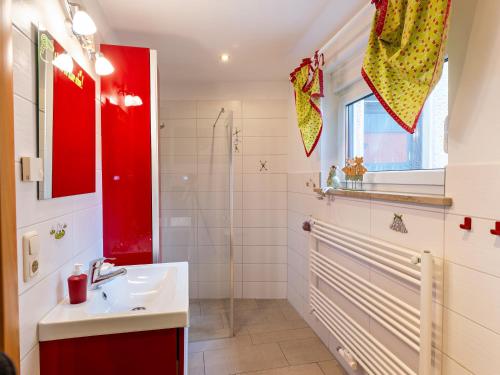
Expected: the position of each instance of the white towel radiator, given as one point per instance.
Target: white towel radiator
(410, 325)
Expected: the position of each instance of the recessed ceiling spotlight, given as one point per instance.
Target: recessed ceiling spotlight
(224, 58)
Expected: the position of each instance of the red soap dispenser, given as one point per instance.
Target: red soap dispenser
(77, 285)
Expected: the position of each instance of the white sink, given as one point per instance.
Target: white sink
(148, 297)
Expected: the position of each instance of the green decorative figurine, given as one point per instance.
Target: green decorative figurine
(333, 180)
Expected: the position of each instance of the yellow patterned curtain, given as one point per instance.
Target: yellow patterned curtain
(307, 81)
(405, 55)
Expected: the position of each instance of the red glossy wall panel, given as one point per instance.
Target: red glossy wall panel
(73, 129)
(148, 352)
(126, 156)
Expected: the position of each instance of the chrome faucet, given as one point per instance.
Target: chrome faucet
(96, 278)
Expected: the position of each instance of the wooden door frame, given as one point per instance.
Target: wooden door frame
(9, 310)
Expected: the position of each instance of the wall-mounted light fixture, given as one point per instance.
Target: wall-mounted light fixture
(63, 62)
(84, 29)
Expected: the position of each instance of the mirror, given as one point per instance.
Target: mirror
(66, 122)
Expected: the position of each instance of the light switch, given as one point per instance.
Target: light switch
(31, 251)
(32, 169)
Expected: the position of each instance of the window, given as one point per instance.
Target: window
(372, 133)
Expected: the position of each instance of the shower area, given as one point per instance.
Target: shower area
(198, 144)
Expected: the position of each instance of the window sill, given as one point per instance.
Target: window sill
(428, 200)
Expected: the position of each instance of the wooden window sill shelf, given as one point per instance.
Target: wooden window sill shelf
(428, 200)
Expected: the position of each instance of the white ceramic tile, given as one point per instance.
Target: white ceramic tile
(178, 109)
(264, 236)
(177, 237)
(171, 147)
(213, 254)
(179, 164)
(353, 214)
(425, 228)
(264, 272)
(265, 218)
(477, 249)
(265, 127)
(483, 184)
(264, 200)
(174, 200)
(213, 272)
(218, 218)
(25, 128)
(470, 345)
(179, 254)
(213, 289)
(218, 164)
(213, 146)
(213, 236)
(450, 367)
(264, 182)
(24, 66)
(53, 253)
(214, 181)
(87, 227)
(265, 145)
(38, 301)
(265, 109)
(264, 290)
(213, 200)
(178, 182)
(298, 242)
(265, 254)
(273, 164)
(464, 285)
(210, 109)
(205, 128)
(178, 128)
(30, 365)
(178, 218)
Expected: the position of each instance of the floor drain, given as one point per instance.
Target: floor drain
(138, 308)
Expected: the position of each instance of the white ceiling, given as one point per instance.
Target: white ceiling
(264, 38)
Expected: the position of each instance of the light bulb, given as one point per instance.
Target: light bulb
(224, 58)
(102, 65)
(83, 24)
(64, 62)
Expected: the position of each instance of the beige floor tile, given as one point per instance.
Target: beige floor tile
(305, 351)
(196, 365)
(213, 306)
(276, 326)
(271, 303)
(194, 309)
(332, 368)
(310, 369)
(241, 359)
(245, 304)
(290, 313)
(225, 343)
(277, 336)
(258, 316)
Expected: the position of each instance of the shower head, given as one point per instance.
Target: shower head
(222, 110)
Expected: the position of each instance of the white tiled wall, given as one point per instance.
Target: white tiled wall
(194, 190)
(82, 213)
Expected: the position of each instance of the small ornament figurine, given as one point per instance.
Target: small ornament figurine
(333, 180)
(354, 171)
(398, 225)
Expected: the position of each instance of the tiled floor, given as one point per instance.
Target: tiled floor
(270, 339)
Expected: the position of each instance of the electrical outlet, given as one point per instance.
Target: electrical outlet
(31, 251)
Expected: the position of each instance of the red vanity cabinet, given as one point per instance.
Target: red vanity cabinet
(159, 352)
